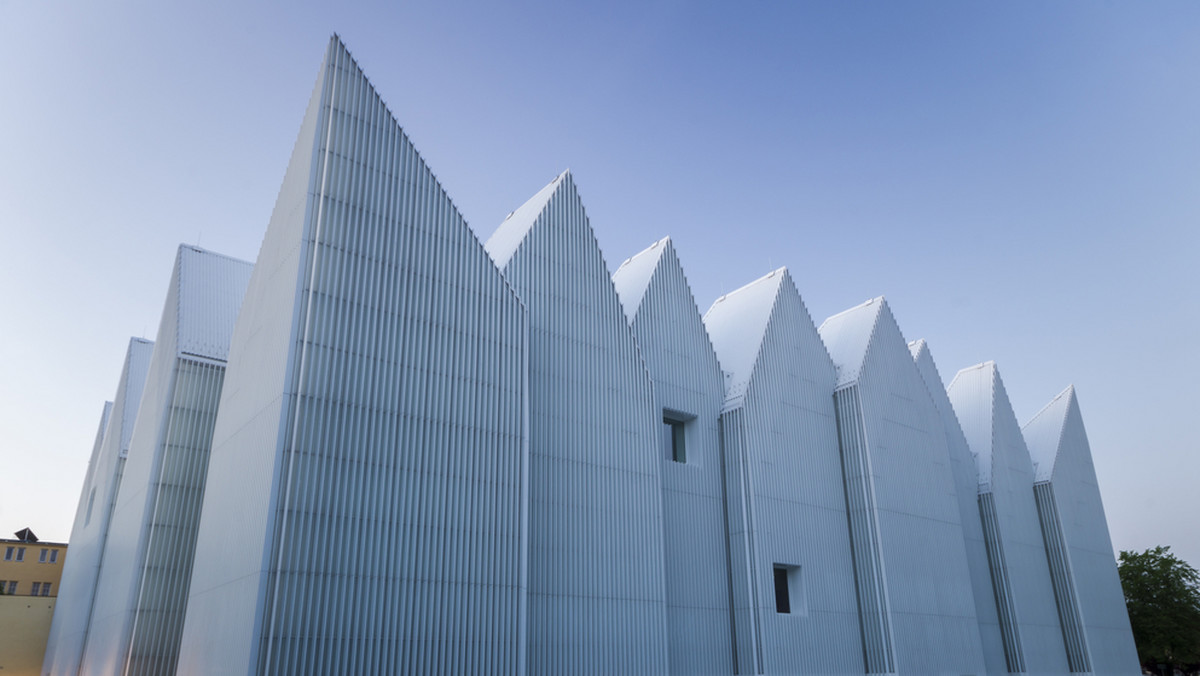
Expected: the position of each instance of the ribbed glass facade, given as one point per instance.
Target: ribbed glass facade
(390, 448)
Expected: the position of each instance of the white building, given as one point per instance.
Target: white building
(435, 456)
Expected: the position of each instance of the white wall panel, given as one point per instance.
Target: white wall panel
(77, 591)
(966, 480)
(1074, 513)
(597, 598)
(687, 384)
(142, 588)
(906, 525)
(1010, 517)
(366, 502)
(787, 502)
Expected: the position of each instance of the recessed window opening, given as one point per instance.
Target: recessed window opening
(789, 590)
(674, 434)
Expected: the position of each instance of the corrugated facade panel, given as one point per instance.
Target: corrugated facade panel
(148, 557)
(395, 526)
(978, 396)
(233, 534)
(597, 598)
(77, 591)
(1061, 578)
(83, 517)
(688, 389)
(1057, 436)
(966, 481)
(870, 583)
(898, 463)
(790, 514)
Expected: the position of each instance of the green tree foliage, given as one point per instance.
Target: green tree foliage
(1162, 593)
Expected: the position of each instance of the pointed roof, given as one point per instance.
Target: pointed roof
(1044, 433)
(517, 225)
(985, 416)
(847, 335)
(737, 323)
(129, 390)
(633, 277)
(919, 349)
(211, 289)
(975, 393)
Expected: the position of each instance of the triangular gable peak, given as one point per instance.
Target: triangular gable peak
(654, 290)
(737, 323)
(985, 413)
(923, 359)
(515, 229)
(210, 291)
(972, 394)
(848, 335)
(1043, 433)
(633, 277)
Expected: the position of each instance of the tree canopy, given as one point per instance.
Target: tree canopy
(1162, 593)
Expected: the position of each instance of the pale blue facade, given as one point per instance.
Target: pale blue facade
(412, 452)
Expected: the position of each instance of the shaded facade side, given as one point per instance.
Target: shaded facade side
(370, 444)
(795, 607)
(688, 395)
(597, 598)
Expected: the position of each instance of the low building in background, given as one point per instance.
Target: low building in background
(30, 571)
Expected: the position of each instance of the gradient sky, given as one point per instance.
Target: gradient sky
(1020, 180)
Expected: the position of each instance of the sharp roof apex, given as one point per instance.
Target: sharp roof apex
(778, 272)
(867, 303)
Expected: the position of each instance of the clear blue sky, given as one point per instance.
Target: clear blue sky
(1022, 181)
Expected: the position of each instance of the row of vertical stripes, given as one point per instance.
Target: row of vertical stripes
(74, 610)
(687, 379)
(1060, 575)
(744, 615)
(399, 534)
(874, 616)
(596, 576)
(170, 548)
(1013, 654)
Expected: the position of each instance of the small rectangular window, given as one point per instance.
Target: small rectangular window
(42, 558)
(12, 587)
(790, 598)
(783, 597)
(37, 589)
(20, 553)
(674, 434)
(46, 589)
(53, 556)
(8, 553)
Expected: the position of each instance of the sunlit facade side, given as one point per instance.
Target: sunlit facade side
(73, 614)
(142, 587)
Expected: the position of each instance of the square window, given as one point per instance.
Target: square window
(675, 434)
(37, 589)
(790, 598)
